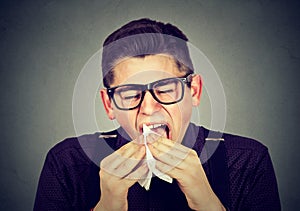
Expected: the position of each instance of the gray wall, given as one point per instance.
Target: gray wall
(254, 46)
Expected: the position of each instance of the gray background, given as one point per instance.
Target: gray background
(254, 46)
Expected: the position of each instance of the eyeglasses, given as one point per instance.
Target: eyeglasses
(166, 91)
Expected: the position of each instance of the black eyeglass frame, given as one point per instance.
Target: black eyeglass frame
(149, 87)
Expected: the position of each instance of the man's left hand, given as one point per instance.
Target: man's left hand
(183, 164)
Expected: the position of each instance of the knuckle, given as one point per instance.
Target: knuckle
(103, 164)
(102, 174)
(193, 153)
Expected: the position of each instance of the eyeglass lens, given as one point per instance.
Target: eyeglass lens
(165, 91)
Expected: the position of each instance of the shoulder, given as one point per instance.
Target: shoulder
(84, 149)
(246, 149)
(245, 152)
(237, 142)
(69, 151)
(72, 143)
(241, 150)
(232, 141)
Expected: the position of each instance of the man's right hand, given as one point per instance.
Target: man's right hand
(118, 173)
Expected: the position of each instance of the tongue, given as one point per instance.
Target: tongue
(161, 131)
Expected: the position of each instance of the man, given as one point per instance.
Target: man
(150, 83)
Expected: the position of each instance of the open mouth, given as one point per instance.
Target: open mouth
(160, 128)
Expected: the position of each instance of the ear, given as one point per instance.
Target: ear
(196, 89)
(107, 103)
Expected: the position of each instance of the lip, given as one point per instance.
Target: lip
(140, 128)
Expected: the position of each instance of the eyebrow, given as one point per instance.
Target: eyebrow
(142, 86)
(160, 81)
(165, 81)
(128, 87)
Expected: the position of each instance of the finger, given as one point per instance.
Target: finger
(128, 166)
(171, 144)
(170, 170)
(121, 166)
(116, 158)
(183, 176)
(169, 159)
(151, 138)
(161, 149)
(190, 174)
(139, 173)
(172, 157)
(139, 140)
(117, 161)
(128, 149)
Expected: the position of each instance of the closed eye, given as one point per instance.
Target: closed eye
(165, 91)
(130, 97)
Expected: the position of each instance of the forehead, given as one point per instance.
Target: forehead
(145, 70)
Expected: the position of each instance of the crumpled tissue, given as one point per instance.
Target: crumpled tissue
(151, 162)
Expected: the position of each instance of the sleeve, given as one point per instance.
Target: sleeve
(263, 194)
(51, 192)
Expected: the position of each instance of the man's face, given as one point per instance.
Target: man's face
(171, 121)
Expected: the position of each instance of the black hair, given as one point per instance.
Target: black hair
(143, 37)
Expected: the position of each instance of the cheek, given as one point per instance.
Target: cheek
(183, 116)
(122, 117)
(181, 112)
(185, 108)
(127, 120)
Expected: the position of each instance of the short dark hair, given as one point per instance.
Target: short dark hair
(143, 37)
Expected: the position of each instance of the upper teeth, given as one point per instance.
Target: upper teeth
(155, 126)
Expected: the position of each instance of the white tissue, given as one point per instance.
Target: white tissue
(151, 163)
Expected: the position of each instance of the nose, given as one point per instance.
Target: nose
(149, 105)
